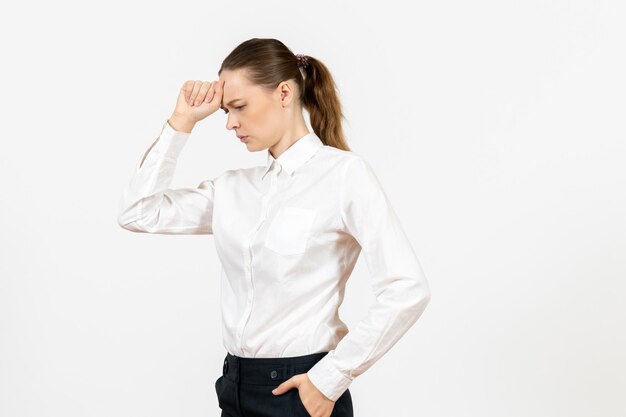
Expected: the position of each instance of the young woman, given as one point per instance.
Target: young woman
(287, 233)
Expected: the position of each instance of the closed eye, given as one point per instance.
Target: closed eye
(237, 108)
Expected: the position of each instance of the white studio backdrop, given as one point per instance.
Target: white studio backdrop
(496, 128)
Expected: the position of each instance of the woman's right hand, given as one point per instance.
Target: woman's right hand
(207, 95)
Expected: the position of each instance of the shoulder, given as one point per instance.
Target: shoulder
(224, 177)
(352, 172)
(352, 165)
(236, 174)
(342, 160)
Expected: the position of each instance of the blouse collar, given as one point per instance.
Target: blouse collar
(294, 156)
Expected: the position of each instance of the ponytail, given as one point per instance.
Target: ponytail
(322, 102)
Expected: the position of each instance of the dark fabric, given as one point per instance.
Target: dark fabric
(245, 387)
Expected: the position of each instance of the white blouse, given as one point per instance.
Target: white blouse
(288, 235)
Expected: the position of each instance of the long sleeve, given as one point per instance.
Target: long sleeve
(149, 206)
(397, 280)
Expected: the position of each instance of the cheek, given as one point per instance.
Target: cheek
(261, 119)
(270, 117)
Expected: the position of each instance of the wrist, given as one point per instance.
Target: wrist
(181, 123)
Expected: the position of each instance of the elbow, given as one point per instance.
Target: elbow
(125, 222)
(420, 296)
(422, 290)
(121, 222)
(421, 299)
(415, 298)
(425, 300)
(125, 214)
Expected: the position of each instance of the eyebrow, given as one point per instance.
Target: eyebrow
(231, 102)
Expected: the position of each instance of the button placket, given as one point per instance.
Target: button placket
(248, 251)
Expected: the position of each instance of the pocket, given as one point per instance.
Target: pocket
(289, 231)
(299, 408)
(218, 389)
(343, 406)
(227, 395)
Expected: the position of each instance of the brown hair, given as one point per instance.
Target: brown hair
(268, 62)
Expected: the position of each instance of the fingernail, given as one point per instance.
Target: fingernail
(273, 391)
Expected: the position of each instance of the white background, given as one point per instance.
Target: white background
(496, 128)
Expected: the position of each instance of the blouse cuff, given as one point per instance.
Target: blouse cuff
(328, 379)
(171, 142)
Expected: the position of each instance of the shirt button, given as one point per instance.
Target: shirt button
(274, 374)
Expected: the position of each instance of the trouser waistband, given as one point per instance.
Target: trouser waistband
(267, 371)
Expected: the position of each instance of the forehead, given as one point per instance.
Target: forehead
(236, 84)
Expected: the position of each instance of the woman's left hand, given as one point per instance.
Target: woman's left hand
(314, 401)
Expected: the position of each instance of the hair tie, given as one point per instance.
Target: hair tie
(303, 60)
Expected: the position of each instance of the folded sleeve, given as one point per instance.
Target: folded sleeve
(400, 287)
(148, 205)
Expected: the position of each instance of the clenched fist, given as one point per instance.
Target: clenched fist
(198, 99)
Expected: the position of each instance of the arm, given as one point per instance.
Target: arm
(397, 280)
(149, 206)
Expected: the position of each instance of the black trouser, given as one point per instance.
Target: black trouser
(245, 387)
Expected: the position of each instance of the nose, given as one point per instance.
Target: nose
(231, 122)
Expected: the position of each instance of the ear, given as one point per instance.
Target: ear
(286, 90)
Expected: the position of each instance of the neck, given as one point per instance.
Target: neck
(297, 130)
